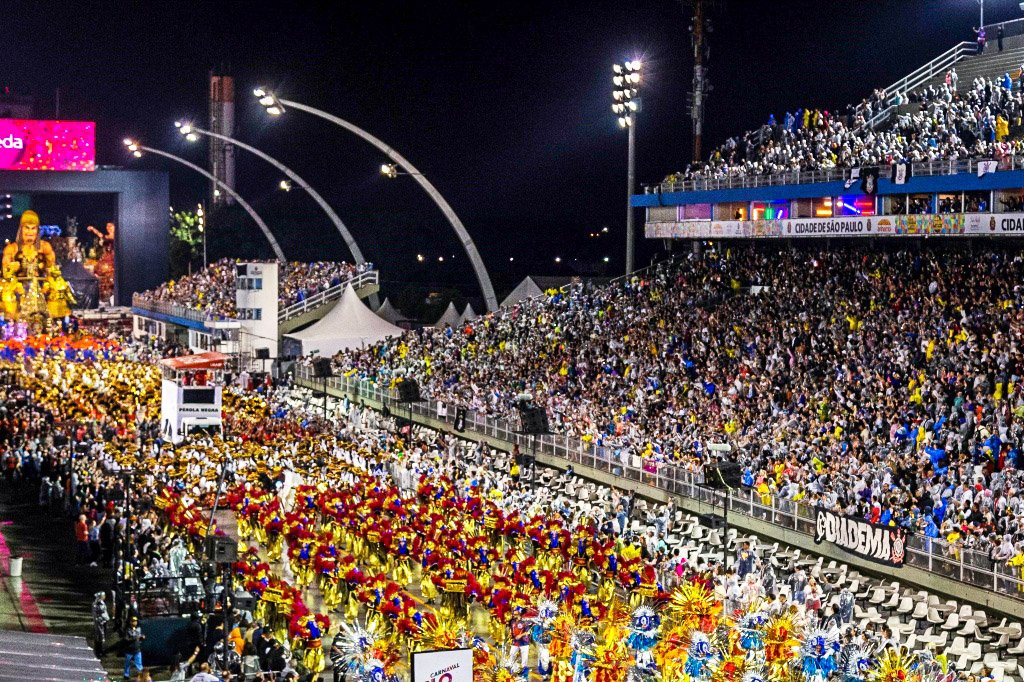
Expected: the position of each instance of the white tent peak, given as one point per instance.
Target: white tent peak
(389, 313)
(450, 317)
(467, 314)
(349, 324)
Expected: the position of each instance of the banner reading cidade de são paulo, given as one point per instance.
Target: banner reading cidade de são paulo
(939, 225)
(883, 544)
(455, 665)
(33, 145)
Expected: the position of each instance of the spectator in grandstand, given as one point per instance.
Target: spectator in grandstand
(212, 289)
(886, 400)
(948, 125)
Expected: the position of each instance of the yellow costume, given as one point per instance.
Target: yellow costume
(59, 298)
(10, 291)
(29, 258)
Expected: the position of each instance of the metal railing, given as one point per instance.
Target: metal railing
(933, 555)
(174, 310)
(1011, 28)
(920, 76)
(796, 177)
(322, 297)
(314, 301)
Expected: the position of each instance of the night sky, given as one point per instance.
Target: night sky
(504, 106)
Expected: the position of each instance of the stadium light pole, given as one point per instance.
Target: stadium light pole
(138, 149)
(191, 134)
(276, 106)
(626, 103)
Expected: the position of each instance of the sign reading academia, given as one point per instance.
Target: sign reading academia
(882, 544)
(32, 145)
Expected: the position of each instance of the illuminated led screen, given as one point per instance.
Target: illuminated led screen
(47, 145)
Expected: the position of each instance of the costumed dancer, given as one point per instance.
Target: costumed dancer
(701, 657)
(307, 637)
(644, 631)
(857, 666)
(780, 645)
(582, 643)
(751, 628)
(818, 652)
(100, 618)
(542, 634)
(611, 657)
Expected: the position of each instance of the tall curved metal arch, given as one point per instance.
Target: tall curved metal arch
(294, 177)
(467, 242)
(231, 192)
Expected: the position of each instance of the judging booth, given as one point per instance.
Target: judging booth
(191, 393)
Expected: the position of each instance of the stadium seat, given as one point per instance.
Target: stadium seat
(957, 648)
(972, 654)
(941, 639)
(970, 629)
(906, 606)
(1017, 649)
(952, 622)
(920, 611)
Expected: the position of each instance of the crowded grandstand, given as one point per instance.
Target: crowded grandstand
(211, 290)
(789, 449)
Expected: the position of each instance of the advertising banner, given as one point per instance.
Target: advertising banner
(47, 145)
(455, 665)
(941, 225)
(883, 544)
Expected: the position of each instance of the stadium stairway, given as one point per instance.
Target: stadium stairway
(992, 64)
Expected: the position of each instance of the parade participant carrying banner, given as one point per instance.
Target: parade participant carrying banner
(883, 544)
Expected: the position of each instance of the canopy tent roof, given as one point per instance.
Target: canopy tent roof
(450, 318)
(349, 324)
(389, 313)
(208, 360)
(468, 314)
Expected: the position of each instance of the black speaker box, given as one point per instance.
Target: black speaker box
(723, 475)
(711, 521)
(322, 368)
(244, 601)
(408, 391)
(221, 550)
(262, 353)
(534, 420)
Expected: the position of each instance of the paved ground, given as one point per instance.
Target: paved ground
(53, 595)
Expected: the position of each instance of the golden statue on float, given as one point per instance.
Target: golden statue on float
(32, 291)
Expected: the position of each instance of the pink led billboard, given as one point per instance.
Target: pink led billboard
(47, 145)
